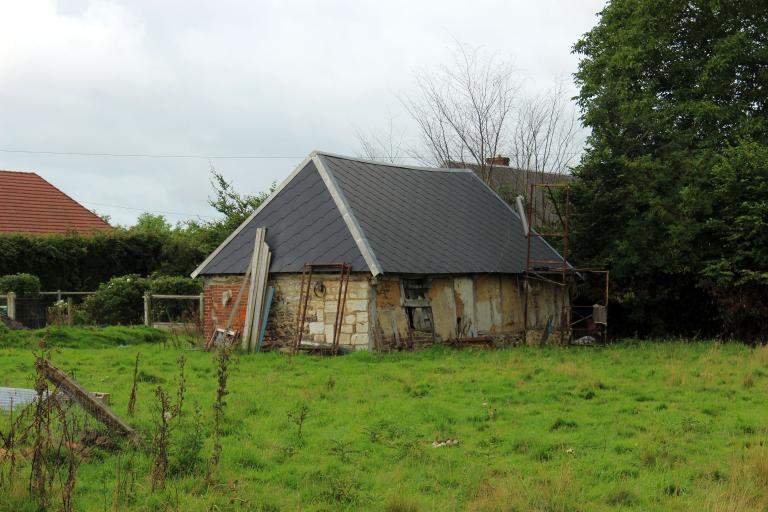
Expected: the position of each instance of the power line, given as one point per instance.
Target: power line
(147, 211)
(208, 157)
(143, 155)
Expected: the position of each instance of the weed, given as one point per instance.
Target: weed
(223, 357)
(674, 490)
(757, 463)
(338, 489)
(39, 476)
(622, 498)
(561, 424)
(343, 450)
(400, 504)
(648, 458)
(749, 381)
(187, 457)
(182, 386)
(149, 378)
(690, 424)
(132, 399)
(298, 417)
(160, 439)
(125, 482)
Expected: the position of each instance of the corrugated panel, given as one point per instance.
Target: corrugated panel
(13, 398)
(433, 221)
(303, 224)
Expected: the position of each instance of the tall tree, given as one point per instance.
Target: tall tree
(674, 92)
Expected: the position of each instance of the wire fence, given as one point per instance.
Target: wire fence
(177, 313)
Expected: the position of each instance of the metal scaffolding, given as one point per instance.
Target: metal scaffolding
(548, 218)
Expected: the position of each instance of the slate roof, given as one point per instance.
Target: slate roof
(383, 219)
(29, 204)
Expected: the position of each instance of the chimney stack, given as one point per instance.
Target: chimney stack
(497, 161)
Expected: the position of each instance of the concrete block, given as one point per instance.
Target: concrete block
(316, 327)
(347, 328)
(360, 339)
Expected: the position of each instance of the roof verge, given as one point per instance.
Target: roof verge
(346, 213)
(232, 235)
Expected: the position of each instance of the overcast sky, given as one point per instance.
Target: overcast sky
(266, 78)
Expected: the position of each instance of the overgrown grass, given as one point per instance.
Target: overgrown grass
(634, 426)
(83, 337)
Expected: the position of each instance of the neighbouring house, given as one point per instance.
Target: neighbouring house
(31, 205)
(436, 255)
(510, 182)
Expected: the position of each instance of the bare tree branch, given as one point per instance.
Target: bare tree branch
(461, 110)
(389, 148)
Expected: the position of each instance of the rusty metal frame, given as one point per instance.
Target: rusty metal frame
(562, 268)
(345, 270)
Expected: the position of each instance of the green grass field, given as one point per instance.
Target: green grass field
(633, 426)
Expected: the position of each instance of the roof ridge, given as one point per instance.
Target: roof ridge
(12, 171)
(390, 164)
(353, 225)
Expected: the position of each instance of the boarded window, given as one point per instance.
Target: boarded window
(417, 307)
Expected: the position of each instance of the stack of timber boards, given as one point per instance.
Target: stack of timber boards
(257, 291)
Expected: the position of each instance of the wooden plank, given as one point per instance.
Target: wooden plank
(65, 293)
(164, 296)
(84, 399)
(258, 306)
(260, 292)
(256, 264)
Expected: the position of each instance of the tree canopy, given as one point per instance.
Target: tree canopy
(672, 189)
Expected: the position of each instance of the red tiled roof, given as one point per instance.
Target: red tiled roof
(29, 204)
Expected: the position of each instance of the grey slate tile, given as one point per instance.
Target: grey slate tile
(417, 221)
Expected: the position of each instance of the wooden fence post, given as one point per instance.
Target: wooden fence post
(11, 299)
(70, 311)
(147, 310)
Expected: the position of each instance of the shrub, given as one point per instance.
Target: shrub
(20, 284)
(118, 302)
(175, 285)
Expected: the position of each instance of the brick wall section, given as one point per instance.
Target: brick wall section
(281, 324)
(220, 293)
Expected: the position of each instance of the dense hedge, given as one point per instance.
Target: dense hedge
(75, 263)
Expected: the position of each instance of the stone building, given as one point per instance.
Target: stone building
(436, 255)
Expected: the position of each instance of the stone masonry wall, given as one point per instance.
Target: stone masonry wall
(281, 324)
